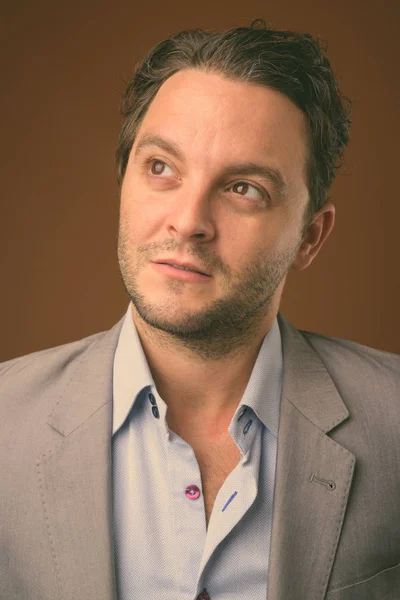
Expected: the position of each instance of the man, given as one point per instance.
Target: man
(204, 448)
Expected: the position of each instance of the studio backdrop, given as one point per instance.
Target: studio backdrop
(63, 71)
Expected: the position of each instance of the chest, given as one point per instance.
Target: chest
(216, 461)
(216, 453)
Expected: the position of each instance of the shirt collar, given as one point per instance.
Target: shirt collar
(131, 371)
(263, 390)
(131, 374)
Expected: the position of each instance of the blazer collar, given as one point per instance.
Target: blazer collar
(306, 382)
(89, 386)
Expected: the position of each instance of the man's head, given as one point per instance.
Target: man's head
(229, 145)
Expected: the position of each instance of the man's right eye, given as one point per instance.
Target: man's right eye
(156, 166)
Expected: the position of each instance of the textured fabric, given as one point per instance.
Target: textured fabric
(339, 422)
(163, 549)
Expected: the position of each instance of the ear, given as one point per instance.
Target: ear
(317, 233)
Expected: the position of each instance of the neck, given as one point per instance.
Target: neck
(207, 383)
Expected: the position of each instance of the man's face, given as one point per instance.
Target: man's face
(239, 225)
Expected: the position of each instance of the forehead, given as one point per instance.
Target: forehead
(214, 119)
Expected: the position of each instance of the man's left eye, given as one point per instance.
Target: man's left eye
(242, 187)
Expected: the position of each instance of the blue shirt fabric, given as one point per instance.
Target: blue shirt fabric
(163, 549)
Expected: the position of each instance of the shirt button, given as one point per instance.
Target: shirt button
(192, 492)
(247, 427)
(155, 412)
(152, 399)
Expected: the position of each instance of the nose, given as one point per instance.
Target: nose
(191, 216)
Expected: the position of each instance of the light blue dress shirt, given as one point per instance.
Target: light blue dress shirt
(163, 550)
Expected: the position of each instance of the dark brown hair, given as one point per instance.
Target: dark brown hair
(294, 64)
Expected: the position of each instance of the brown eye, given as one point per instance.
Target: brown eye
(241, 185)
(243, 188)
(157, 167)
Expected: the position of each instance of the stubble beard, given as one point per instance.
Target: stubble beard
(223, 326)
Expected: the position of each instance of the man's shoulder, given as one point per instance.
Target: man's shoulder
(344, 347)
(43, 362)
(32, 386)
(352, 357)
(366, 379)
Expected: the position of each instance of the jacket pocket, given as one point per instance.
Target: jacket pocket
(384, 585)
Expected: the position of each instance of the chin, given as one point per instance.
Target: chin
(172, 318)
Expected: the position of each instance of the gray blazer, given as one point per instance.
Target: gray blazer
(336, 518)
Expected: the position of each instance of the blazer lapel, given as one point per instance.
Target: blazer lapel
(313, 475)
(75, 476)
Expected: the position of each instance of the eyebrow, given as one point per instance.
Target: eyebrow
(243, 168)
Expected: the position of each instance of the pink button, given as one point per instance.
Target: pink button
(192, 492)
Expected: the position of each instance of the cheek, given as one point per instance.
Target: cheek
(261, 247)
(141, 216)
(248, 244)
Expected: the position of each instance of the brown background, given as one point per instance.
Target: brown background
(63, 66)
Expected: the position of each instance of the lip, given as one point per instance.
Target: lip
(179, 263)
(190, 276)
